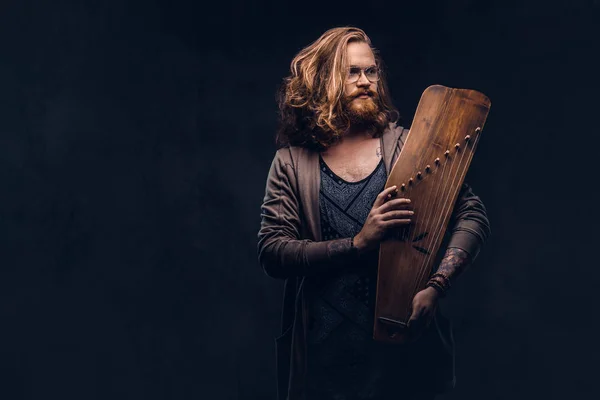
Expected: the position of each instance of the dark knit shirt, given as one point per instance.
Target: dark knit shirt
(342, 356)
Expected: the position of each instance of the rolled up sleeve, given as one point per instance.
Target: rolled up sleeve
(469, 225)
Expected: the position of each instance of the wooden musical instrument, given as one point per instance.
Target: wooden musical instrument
(429, 171)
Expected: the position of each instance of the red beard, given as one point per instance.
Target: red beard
(362, 111)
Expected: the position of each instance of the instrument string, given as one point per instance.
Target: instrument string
(427, 212)
(431, 205)
(432, 236)
(408, 232)
(430, 202)
(413, 226)
(448, 208)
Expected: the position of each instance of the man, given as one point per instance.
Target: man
(323, 216)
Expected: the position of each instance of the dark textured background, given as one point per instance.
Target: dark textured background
(135, 142)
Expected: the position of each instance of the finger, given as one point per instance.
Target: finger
(415, 315)
(424, 320)
(396, 223)
(415, 322)
(381, 197)
(395, 204)
(397, 214)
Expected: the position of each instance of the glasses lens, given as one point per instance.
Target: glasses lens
(372, 74)
(353, 74)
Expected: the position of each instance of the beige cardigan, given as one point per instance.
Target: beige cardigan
(290, 245)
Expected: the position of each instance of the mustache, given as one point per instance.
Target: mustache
(361, 92)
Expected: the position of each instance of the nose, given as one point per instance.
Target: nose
(362, 80)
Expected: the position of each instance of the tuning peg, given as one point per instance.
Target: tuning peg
(437, 160)
(428, 168)
(447, 153)
(457, 146)
(419, 175)
(410, 181)
(467, 138)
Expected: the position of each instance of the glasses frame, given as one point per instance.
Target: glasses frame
(363, 71)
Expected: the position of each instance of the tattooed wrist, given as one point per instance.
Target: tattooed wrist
(455, 261)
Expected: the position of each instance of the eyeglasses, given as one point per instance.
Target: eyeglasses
(372, 74)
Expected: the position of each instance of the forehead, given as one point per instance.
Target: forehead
(360, 54)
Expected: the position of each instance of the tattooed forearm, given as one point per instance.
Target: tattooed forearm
(455, 261)
(453, 264)
(339, 248)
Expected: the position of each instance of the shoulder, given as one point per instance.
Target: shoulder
(293, 155)
(395, 133)
(395, 130)
(403, 133)
(284, 158)
(285, 162)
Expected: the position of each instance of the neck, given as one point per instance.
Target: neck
(357, 134)
(352, 139)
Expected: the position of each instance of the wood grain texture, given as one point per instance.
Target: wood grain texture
(447, 127)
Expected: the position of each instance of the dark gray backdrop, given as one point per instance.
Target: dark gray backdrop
(135, 142)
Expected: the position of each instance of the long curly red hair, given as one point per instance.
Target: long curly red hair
(310, 107)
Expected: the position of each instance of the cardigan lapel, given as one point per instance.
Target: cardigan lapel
(309, 181)
(390, 146)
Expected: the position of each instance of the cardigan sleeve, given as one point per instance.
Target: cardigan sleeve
(282, 252)
(469, 225)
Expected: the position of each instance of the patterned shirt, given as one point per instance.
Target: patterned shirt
(342, 356)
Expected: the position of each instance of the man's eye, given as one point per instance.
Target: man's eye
(354, 71)
(371, 71)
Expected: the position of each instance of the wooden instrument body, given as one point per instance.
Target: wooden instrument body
(446, 127)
